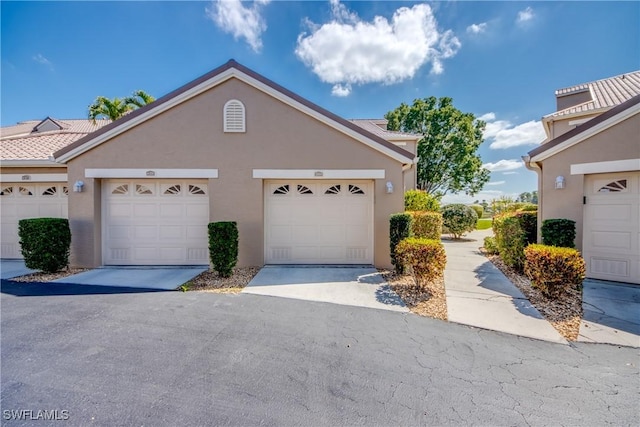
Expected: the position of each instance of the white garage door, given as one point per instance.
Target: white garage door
(155, 222)
(319, 222)
(611, 243)
(22, 200)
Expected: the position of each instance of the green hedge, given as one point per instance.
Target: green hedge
(513, 232)
(426, 258)
(418, 200)
(45, 243)
(458, 219)
(553, 269)
(223, 246)
(399, 228)
(426, 225)
(559, 232)
(490, 245)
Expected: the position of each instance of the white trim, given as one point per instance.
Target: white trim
(319, 173)
(606, 167)
(150, 173)
(212, 82)
(35, 163)
(600, 127)
(33, 177)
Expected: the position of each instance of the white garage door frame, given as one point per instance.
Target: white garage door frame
(611, 226)
(178, 214)
(300, 213)
(29, 199)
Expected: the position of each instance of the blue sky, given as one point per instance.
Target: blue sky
(499, 60)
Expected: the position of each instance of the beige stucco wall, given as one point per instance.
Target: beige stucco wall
(561, 126)
(31, 170)
(619, 142)
(191, 136)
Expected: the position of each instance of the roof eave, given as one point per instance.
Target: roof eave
(48, 163)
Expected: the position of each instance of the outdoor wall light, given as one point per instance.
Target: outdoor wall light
(77, 187)
(560, 182)
(389, 187)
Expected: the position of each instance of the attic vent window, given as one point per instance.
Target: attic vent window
(234, 116)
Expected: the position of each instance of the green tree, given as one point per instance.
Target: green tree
(448, 151)
(113, 109)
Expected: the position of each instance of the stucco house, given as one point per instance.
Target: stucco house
(304, 185)
(589, 171)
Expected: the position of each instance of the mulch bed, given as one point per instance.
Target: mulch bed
(210, 281)
(429, 300)
(47, 277)
(564, 313)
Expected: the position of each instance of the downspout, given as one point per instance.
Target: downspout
(406, 167)
(537, 168)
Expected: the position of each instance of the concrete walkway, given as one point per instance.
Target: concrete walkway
(10, 268)
(478, 294)
(355, 286)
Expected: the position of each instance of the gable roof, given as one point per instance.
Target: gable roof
(231, 69)
(587, 129)
(26, 141)
(605, 94)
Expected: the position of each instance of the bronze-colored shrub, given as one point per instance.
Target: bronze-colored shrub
(426, 258)
(426, 225)
(553, 269)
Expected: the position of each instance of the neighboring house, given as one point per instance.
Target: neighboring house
(304, 185)
(32, 184)
(589, 171)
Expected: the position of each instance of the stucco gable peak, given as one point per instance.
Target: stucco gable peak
(230, 69)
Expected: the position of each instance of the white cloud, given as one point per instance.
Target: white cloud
(510, 173)
(341, 89)
(504, 134)
(496, 183)
(243, 22)
(477, 28)
(40, 59)
(349, 51)
(525, 15)
(504, 165)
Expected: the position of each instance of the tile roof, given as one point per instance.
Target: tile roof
(379, 127)
(22, 142)
(618, 109)
(605, 94)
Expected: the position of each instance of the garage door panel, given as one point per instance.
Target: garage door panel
(611, 224)
(612, 212)
(155, 222)
(611, 240)
(21, 201)
(145, 210)
(319, 222)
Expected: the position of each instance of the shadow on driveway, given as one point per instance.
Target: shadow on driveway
(37, 289)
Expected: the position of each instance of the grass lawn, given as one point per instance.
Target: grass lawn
(483, 223)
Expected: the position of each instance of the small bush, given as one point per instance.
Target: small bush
(510, 239)
(223, 246)
(426, 225)
(553, 269)
(528, 207)
(399, 229)
(490, 245)
(479, 210)
(45, 243)
(458, 219)
(529, 222)
(559, 232)
(417, 200)
(426, 258)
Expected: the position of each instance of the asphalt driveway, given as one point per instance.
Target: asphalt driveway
(169, 358)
